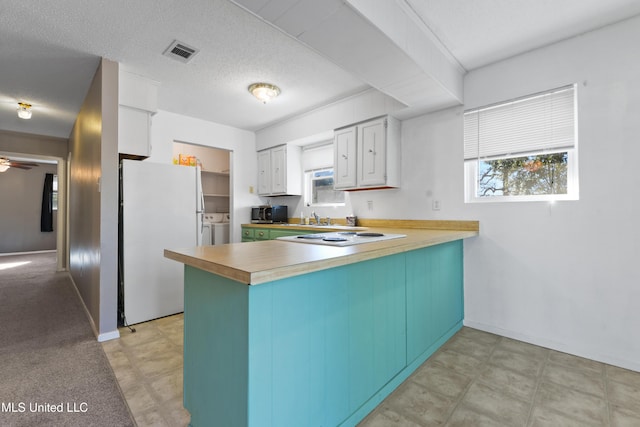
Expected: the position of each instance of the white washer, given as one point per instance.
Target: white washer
(219, 228)
(220, 233)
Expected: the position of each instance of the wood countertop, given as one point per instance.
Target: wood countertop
(258, 262)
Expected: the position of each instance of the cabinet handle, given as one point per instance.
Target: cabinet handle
(344, 156)
(246, 233)
(261, 233)
(371, 151)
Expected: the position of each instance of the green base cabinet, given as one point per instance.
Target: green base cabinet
(248, 234)
(251, 234)
(319, 349)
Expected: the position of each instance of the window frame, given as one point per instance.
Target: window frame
(308, 188)
(54, 193)
(471, 183)
(471, 166)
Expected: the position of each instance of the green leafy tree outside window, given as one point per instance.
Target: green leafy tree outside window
(528, 175)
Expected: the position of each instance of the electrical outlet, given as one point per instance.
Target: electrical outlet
(436, 205)
(370, 205)
(251, 189)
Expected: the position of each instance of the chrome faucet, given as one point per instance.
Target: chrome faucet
(317, 218)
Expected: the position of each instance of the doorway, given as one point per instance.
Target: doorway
(216, 184)
(23, 186)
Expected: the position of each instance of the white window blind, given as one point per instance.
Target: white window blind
(317, 156)
(536, 123)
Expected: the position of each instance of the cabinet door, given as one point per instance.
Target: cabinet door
(264, 172)
(279, 170)
(344, 173)
(248, 235)
(262, 234)
(372, 153)
(133, 132)
(435, 302)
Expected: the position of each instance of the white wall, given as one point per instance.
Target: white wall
(315, 125)
(560, 275)
(169, 127)
(93, 201)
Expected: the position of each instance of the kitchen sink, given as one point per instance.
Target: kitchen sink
(341, 238)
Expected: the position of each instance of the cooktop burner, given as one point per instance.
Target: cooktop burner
(344, 238)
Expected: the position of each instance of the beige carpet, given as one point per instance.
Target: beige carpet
(53, 371)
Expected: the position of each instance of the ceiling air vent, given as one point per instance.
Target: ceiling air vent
(180, 51)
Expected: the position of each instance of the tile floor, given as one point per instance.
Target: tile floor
(475, 379)
(148, 366)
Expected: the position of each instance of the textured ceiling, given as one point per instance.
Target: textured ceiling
(236, 49)
(49, 51)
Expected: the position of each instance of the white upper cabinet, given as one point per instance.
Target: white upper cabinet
(264, 172)
(137, 99)
(372, 159)
(279, 171)
(134, 128)
(367, 155)
(344, 173)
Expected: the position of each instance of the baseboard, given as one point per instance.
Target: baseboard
(100, 337)
(554, 345)
(109, 336)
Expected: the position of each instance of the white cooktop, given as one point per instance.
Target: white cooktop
(341, 238)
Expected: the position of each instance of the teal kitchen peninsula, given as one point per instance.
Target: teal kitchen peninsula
(280, 333)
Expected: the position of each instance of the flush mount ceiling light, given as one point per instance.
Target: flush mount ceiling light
(24, 110)
(265, 92)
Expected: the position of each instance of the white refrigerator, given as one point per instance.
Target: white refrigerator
(162, 208)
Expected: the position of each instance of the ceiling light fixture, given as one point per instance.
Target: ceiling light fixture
(24, 110)
(265, 92)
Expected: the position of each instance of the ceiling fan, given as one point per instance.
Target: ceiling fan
(6, 163)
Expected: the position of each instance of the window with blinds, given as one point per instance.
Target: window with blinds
(523, 149)
(317, 164)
